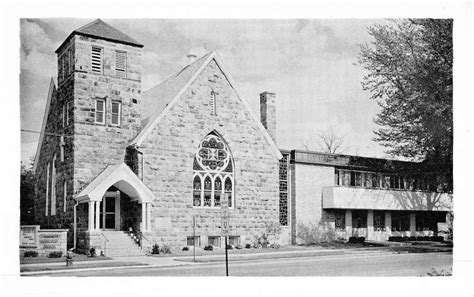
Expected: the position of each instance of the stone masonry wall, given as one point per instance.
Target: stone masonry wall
(98, 145)
(56, 126)
(168, 154)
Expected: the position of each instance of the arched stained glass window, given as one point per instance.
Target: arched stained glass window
(207, 191)
(213, 169)
(228, 190)
(197, 191)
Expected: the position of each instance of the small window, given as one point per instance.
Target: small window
(121, 64)
(53, 186)
(47, 190)
(193, 241)
(64, 196)
(67, 112)
(100, 111)
(213, 103)
(64, 116)
(96, 59)
(214, 241)
(116, 112)
(234, 240)
(71, 60)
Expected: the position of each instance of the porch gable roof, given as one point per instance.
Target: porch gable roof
(121, 177)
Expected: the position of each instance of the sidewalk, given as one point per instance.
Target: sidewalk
(183, 260)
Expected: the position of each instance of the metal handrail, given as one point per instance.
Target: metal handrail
(140, 237)
(105, 243)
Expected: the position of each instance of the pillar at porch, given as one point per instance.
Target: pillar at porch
(148, 217)
(97, 215)
(388, 223)
(412, 223)
(348, 220)
(90, 225)
(143, 225)
(370, 224)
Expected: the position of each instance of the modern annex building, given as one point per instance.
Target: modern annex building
(160, 164)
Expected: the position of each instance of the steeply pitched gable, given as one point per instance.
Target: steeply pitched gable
(51, 93)
(176, 87)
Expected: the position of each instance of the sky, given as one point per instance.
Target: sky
(309, 63)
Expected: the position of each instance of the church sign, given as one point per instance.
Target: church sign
(29, 236)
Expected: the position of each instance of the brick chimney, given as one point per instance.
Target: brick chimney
(268, 113)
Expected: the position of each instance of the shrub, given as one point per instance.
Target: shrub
(165, 249)
(185, 248)
(274, 246)
(155, 250)
(356, 239)
(208, 248)
(55, 254)
(312, 233)
(230, 247)
(248, 245)
(30, 254)
(238, 247)
(92, 252)
(442, 272)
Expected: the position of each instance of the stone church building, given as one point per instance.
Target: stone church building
(120, 167)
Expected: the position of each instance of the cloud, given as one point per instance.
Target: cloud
(34, 38)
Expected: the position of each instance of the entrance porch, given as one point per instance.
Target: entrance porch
(115, 203)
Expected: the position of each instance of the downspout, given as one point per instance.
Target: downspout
(75, 225)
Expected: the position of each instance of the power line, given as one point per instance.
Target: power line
(46, 133)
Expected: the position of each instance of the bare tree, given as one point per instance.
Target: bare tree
(328, 141)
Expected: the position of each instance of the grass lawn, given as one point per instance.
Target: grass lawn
(77, 257)
(89, 265)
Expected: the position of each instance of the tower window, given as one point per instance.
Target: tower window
(100, 111)
(96, 59)
(53, 186)
(116, 112)
(121, 64)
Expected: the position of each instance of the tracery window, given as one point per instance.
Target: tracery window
(213, 176)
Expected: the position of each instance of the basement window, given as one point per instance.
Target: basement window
(192, 241)
(96, 59)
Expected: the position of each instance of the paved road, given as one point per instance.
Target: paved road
(349, 265)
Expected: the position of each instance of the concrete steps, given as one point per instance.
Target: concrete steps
(120, 244)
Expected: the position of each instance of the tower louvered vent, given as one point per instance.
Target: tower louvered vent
(96, 59)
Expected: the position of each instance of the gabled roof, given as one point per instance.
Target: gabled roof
(121, 177)
(158, 97)
(168, 93)
(102, 30)
(52, 90)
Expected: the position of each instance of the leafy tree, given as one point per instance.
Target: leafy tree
(27, 192)
(409, 66)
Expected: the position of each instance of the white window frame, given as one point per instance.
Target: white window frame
(119, 115)
(103, 111)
